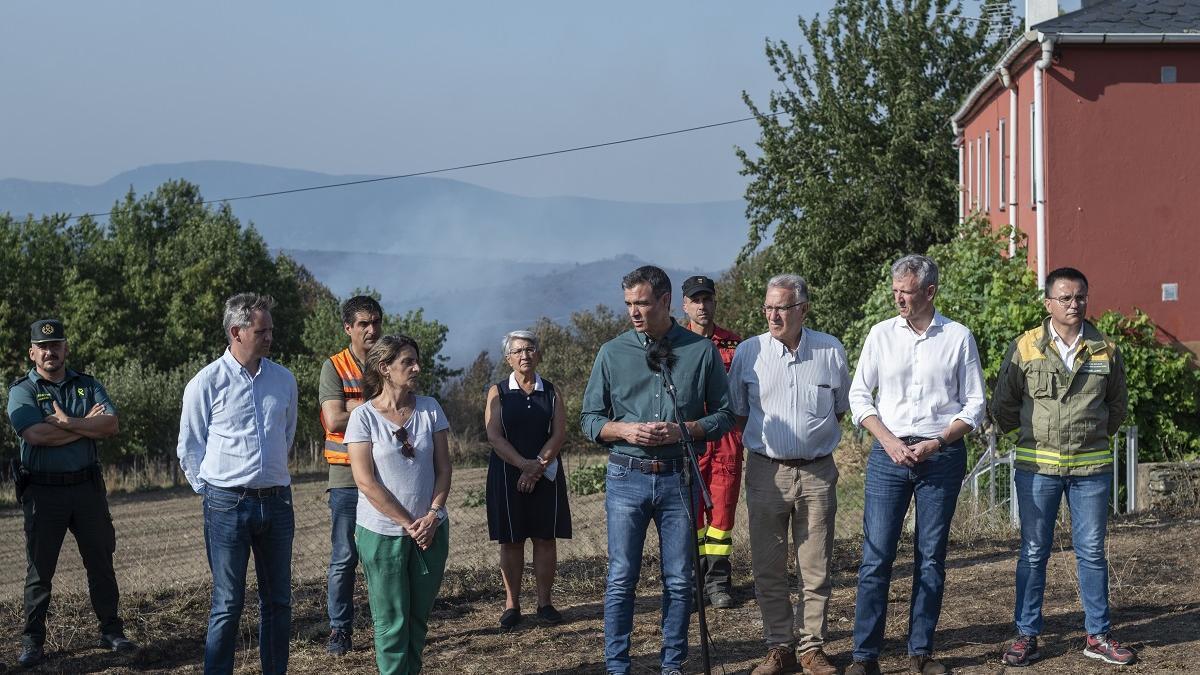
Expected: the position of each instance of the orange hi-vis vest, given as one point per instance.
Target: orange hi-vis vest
(347, 369)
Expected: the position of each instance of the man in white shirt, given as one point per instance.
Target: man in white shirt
(237, 425)
(925, 372)
(789, 390)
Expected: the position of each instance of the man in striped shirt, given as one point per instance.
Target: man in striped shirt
(789, 388)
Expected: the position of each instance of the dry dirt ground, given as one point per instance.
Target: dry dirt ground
(1155, 590)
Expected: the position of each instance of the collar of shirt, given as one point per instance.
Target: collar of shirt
(937, 321)
(1062, 344)
(236, 366)
(802, 348)
(537, 382)
(645, 340)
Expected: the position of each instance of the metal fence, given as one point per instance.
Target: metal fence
(160, 535)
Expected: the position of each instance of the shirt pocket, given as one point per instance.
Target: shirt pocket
(818, 406)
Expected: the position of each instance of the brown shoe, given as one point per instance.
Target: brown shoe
(926, 665)
(814, 662)
(781, 659)
(863, 668)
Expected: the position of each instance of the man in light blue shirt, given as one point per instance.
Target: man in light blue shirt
(237, 426)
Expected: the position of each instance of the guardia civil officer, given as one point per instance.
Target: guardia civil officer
(59, 414)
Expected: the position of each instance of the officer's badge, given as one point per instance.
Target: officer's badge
(47, 329)
(80, 391)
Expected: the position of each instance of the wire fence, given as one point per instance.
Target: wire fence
(160, 534)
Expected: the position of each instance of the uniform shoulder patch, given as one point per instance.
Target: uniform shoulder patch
(19, 380)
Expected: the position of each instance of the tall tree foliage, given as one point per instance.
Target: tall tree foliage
(856, 165)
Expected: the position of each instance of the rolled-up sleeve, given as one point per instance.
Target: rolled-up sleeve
(970, 385)
(193, 429)
(596, 409)
(866, 378)
(718, 416)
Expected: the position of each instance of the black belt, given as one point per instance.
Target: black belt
(68, 478)
(251, 492)
(793, 463)
(648, 465)
(913, 440)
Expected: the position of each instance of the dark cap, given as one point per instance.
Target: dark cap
(47, 330)
(694, 285)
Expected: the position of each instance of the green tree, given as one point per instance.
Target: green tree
(855, 163)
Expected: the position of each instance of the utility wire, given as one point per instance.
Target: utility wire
(460, 167)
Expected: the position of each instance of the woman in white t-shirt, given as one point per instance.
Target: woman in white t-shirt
(401, 464)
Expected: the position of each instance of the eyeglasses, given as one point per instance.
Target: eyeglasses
(527, 351)
(771, 309)
(406, 448)
(1065, 300)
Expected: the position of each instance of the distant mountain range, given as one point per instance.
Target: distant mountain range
(481, 261)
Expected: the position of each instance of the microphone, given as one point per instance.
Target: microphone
(659, 356)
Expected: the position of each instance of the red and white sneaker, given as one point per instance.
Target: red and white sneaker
(1108, 650)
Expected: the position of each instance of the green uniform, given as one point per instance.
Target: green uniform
(1064, 417)
(30, 400)
(65, 492)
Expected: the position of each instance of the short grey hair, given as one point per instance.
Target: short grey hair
(239, 308)
(794, 283)
(920, 266)
(518, 335)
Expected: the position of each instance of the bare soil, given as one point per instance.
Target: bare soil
(1155, 592)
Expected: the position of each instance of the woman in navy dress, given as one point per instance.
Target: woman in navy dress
(526, 486)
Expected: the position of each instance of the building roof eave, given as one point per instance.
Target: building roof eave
(1124, 38)
(1018, 46)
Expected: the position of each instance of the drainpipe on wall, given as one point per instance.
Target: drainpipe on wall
(962, 186)
(1039, 157)
(1007, 81)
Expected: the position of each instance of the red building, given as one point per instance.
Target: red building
(1086, 137)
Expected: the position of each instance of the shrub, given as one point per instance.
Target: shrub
(587, 480)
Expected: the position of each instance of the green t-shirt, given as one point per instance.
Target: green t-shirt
(30, 400)
(330, 389)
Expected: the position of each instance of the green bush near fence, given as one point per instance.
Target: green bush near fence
(587, 480)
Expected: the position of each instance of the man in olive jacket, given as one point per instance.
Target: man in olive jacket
(1062, 387)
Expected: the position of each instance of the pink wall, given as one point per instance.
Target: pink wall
(1123, 177)
(1122, 174)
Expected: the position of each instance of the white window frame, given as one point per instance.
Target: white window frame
(978, 172)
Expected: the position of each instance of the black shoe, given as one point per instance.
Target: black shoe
(720, 600)
(550, 615)
(339, 642)
(117, 643)
(31, 655)
(926, 665)
(863, 668)
(510, 617)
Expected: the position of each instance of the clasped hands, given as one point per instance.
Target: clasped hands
(910, 455)
(651, 433)
(531, 472)
(422, 530)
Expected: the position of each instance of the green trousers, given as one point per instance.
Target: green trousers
(402, 583)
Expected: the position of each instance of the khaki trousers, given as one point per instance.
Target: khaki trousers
(804, 500)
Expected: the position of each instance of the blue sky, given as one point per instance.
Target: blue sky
(92, 89)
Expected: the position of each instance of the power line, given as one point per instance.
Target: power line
(460, 167)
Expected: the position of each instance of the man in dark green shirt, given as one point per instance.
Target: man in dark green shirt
(626, 408)
(59, 414)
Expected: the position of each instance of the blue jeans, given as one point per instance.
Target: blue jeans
(933, 485)
(634, 499)
(343, 557)
(234, 525)
(1037, 499)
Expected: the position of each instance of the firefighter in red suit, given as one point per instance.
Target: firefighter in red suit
(721, 464)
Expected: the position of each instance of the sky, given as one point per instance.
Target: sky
(385, 87)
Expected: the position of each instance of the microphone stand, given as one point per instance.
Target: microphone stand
(692, 474)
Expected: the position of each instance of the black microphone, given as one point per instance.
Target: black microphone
(659, 355)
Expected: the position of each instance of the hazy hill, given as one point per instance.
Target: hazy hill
(421, 216)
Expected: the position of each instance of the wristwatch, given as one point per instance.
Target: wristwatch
(941, 442)
(440, 512)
